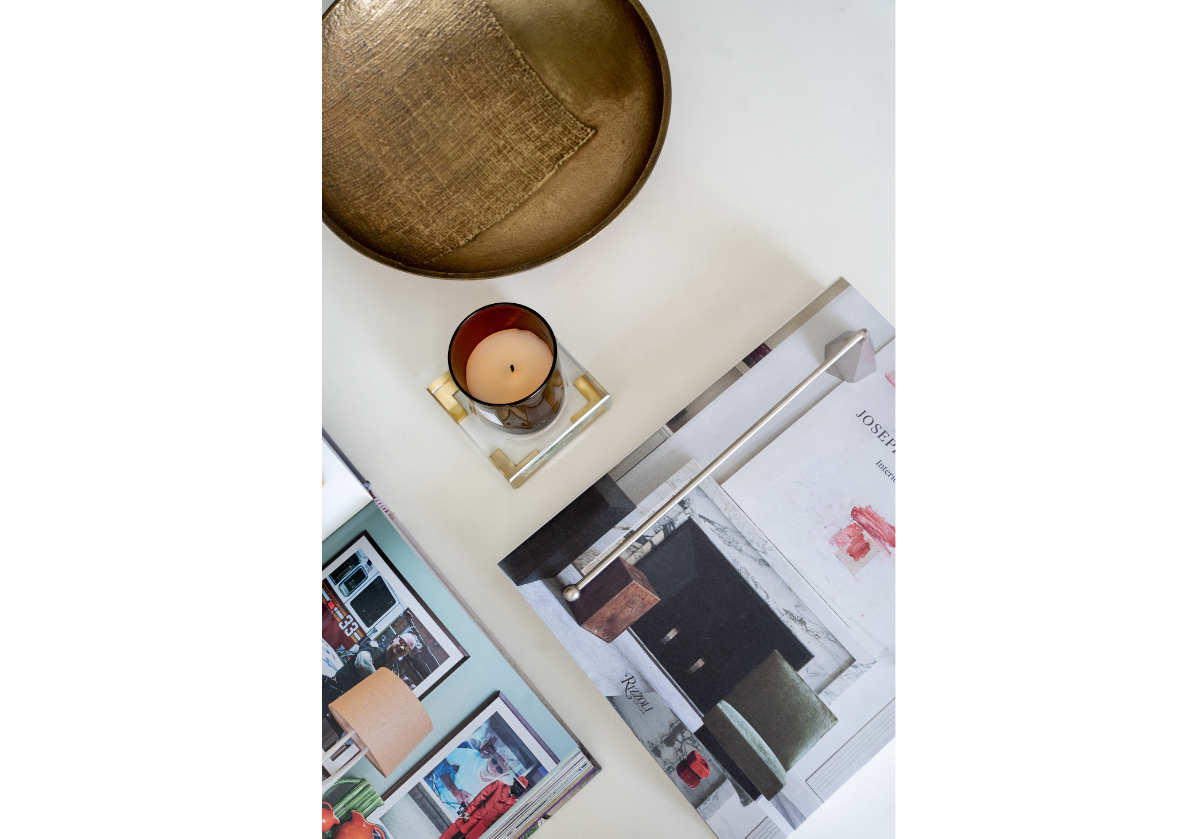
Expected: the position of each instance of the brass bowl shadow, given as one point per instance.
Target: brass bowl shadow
(604, 61)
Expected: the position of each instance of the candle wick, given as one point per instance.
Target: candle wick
(512, 367)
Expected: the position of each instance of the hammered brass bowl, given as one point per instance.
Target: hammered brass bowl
(604, 61)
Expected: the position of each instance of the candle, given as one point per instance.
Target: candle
(504, 357)
(507, 366)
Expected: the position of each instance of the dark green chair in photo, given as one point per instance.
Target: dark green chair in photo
(768, 722)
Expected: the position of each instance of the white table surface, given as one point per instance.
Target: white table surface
(776, 178)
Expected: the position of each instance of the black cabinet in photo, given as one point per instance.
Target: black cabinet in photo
(710, 628)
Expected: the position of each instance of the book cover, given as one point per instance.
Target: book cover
(763, 676)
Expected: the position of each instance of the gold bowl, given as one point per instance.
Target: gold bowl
(604, 61)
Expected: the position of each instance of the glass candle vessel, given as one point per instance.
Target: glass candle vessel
(504, 357)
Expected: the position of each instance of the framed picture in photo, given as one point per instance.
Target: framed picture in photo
(370, 619)
(471, 780)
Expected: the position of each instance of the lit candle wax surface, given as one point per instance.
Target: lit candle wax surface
(508, 366)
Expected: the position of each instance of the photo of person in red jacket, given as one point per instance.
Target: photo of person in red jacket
(490, 804)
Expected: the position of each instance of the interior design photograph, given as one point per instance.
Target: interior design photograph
(428, 728)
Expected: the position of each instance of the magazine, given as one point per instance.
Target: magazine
(485, 757)
(762, 676)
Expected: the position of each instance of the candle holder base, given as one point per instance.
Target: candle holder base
(517, 457)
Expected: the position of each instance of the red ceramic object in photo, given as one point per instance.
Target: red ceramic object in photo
(359, 828)
(693, 769)
(328, 819)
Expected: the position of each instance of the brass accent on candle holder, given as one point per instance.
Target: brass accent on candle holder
(511, 470)
(443, 390)
(593, 394)
(585, 400)
(597, 403)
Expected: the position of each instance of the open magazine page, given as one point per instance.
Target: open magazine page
(761, 677)
(427, 730)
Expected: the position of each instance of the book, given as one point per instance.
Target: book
(495, 761)
(763, 676)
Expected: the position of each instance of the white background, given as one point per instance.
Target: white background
(161, 331)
